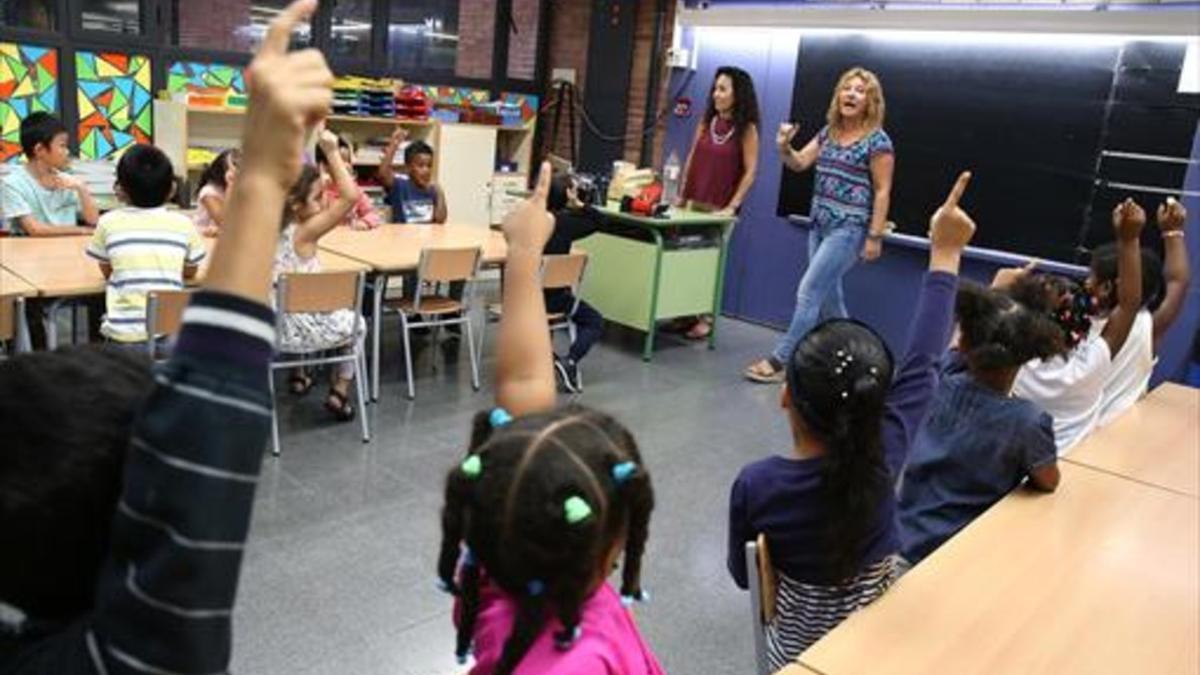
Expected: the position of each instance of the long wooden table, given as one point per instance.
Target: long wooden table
(13, 286)
(58, 268)
(1157, 441)
(391, 249)
(1102, 576)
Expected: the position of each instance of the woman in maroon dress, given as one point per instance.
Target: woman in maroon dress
(720, 166)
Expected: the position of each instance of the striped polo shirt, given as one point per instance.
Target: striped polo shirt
(147, 250)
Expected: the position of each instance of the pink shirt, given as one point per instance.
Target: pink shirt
(609, 642)
(362, 216)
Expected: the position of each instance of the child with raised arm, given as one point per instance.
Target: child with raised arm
(123, 517)
(1071, 387)
(545, 503)
(305, 221)
(215, 183)
(827, 508)
(362, 216)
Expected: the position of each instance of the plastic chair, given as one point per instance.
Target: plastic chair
(13, 331)
(164, 316)
(557, 272)
(762, 582)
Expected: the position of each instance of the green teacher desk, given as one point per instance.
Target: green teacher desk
(642, 270)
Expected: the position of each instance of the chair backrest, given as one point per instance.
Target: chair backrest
(761, 580)
(319, 291)
(440, 265)
(164, 311)
(563, 271)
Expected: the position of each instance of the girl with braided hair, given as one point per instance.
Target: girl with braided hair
(544, 505)
(828, 509)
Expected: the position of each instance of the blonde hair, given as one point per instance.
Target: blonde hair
(873, 116)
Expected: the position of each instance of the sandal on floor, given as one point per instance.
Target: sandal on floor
(764, 372)
(699, 330)
(299, 385)
(339, 406)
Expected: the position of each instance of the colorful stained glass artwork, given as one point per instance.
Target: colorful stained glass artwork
(455, 95)
(194, 76)
(527, 102)
(113, 93)
(28, 83)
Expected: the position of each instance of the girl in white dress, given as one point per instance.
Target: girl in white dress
(304, 222)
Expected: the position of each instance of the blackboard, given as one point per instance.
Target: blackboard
(1031, 120)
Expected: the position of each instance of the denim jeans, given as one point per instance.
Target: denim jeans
(832, 252)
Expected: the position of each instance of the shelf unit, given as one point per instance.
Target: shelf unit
(467, 179)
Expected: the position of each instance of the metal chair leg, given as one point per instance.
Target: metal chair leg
(360, 388)
(474, 357)
(408, 364)
(274, 413)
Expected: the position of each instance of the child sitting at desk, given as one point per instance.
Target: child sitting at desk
(1162, 300)
(414, 198)
(1071, 387)
(363, 216)
(828, 509)
(305, 221)
(142, 247)
(125, 497)
(215, 183)
(574, 220)
(978, 442)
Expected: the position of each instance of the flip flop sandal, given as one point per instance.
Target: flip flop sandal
(699, 330)
(339, 406)
(756, 374)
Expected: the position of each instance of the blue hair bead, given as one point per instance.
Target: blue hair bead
(461, 658)
(642, 596)
(535, 587)
(499, 417)
(623, 471)
(468, 558)
(444, 587)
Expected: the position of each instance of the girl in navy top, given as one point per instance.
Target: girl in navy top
(979, 441)
(827, 509)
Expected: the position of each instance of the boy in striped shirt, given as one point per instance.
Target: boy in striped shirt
(142, 247)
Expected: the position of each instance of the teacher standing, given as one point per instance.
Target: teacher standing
(723, 158)
(851, 193)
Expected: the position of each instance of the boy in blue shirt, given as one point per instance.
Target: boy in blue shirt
(414, 198)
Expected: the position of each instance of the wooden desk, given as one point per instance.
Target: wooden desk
(1100, 577)
(57, 267)
(389, 249)
(1156, 441)
(13, 285)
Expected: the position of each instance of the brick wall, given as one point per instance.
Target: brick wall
(476, 32)
(522, 45)
(214, 24)
(569, 26)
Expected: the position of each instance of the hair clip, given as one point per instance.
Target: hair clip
(623, 471)
(535, 587)
(565, 639)
(845, 394)
(499, 417)
(841, 353)
(576, 509)
(873, 370)
(472, 466)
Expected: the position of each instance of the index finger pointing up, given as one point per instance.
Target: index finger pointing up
(956, 192)
(542, 189)
(279, 33)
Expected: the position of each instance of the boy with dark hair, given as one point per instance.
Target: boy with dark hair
(573, 221)
(142, 247)
(39, 199)
(413, 198)
(134, 570)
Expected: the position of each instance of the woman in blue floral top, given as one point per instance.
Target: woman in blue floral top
(854, 163)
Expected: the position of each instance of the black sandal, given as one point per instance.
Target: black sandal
(339, 406)
(300, 384)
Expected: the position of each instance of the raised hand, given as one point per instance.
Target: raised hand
(1171, 216)
(951, 227)
(289, 93)
(327, 139)
(530, 225)
(787, 131)
(399, 136)
(1007, 276)
(1128, 219)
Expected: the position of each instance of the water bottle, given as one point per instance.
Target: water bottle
(670, 173)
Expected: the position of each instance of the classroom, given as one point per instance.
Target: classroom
(574, 337)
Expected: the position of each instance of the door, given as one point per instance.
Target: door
(466, 161)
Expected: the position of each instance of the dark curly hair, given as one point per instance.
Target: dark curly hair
(745, 101)
(214, 173)
(1063, 299)
(539, 505)
(1104, 270)
(998, 332)
(838, 379)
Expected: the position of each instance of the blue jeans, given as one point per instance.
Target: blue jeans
(832, 252)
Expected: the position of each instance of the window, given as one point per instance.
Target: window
(30, 14)
(450, 37)
(111, 16)
(229, 25)
(523, 39)
(350, 37)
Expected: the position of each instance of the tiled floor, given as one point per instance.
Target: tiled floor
(340, 568)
